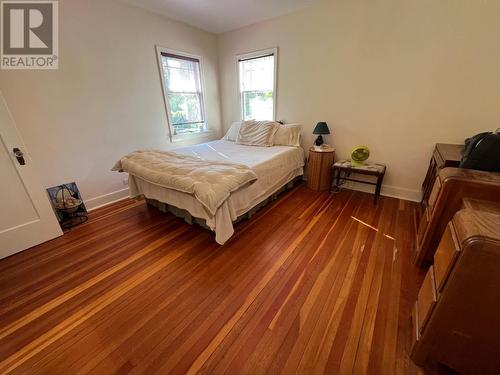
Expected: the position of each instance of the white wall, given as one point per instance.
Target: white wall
(395, 75)
(105, 100)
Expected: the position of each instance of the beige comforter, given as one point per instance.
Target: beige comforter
(211, 182)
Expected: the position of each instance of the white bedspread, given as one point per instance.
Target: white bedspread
(274, 167)
(209, 181)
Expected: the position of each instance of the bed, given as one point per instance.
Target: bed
(275, 168)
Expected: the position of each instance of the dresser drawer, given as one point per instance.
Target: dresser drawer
(438, 158)
(434, 194)
(415, 334)
(445, 257)
(427, 298)
(422, 226)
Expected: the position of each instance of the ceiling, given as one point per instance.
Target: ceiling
(218, 16)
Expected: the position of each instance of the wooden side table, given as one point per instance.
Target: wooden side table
(319, 169)
(345, 166)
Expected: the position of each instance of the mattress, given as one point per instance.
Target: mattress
(275, 167)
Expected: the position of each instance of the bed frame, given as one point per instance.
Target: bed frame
(188, 218)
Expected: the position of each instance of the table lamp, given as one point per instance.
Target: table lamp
(321, 128)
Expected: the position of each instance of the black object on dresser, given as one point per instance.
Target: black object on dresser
(482, 152)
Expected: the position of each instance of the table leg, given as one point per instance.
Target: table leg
(334, 187)
(380, 177)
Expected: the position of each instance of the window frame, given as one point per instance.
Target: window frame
(253, 55)
(181, 137)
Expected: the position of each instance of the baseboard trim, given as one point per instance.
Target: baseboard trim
(105, 199)
(387, 191)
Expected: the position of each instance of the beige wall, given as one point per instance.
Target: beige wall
(105, 100)
(395, 75)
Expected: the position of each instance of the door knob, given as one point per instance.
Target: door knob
(19, 155)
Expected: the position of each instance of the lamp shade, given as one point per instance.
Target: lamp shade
(321, 128)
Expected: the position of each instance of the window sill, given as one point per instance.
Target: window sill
(191, 136)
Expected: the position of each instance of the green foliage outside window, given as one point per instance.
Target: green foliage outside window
(256, 99)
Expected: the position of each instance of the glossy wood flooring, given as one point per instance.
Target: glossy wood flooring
(314, 283)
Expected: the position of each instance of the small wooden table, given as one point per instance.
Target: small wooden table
(377, 170)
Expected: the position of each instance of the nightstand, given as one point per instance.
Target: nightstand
(319, 168)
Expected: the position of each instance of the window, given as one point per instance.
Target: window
(257, 81)
(182, 88)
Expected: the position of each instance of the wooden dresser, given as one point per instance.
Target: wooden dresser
(456, 319)
(444, 155)
(451, 187)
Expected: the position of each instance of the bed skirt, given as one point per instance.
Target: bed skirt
(190, 219)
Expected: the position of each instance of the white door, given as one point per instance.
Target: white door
(26, 216)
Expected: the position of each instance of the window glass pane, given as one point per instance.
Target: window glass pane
(257, 74)
(257, 87)
(189, 128)
(184, 96)
(181, 75)
(184, 108)
(257, 105)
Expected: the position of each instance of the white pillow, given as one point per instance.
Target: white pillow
(257, 133)
(288, 135)
(233, 131)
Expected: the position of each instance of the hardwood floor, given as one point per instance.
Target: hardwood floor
(313, 283)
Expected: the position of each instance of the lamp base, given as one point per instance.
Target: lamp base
(319, 140)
